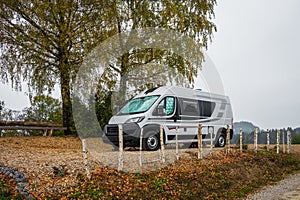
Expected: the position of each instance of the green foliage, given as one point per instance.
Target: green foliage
(44, 109)
(45, 42)
(4, 191)
(103, 107)
(296, 139)
(89, 125)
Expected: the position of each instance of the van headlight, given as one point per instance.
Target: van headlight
(135, 120)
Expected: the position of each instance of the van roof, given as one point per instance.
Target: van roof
(184, 93)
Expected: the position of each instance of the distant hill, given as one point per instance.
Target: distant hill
(247, 127)
(297, 130)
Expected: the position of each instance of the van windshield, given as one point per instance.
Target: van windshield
(138, 105)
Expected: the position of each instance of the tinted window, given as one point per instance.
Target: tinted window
(189, 107)
(207, 108)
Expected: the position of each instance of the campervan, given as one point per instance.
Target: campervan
(179, 110)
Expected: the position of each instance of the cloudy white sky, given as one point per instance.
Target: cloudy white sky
(257, 53)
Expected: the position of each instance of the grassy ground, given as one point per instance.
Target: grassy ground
(222, 176)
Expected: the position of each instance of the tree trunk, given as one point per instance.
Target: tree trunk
(123, 80)
(123, 87)
(66, 103)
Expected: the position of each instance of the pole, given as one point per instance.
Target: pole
(283, 141)
(268, 140)
(141, 146)
(241, 140)
(211, 140)
(255, 140)
(85, 159)
(278, 141)
(228, 139)
(200, 150)
(176, 138)
(120, 165)
(162, 145)
(289, 141)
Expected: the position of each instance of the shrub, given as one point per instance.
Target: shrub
(296, 139)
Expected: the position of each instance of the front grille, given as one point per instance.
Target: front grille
(128, 129)
(112, 130)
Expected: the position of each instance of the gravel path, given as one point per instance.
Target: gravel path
(35, 159)
(287, 189)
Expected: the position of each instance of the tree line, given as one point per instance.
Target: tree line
(45, 42)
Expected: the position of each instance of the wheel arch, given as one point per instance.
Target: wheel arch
(224, 131)
(153, 127)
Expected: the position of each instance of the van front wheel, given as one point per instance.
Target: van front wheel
(151, 142)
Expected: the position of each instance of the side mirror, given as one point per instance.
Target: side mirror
(161, 111)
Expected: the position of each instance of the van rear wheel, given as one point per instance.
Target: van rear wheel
(221, 141)
(151, 142)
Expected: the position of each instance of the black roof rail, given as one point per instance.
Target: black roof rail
(151, 90)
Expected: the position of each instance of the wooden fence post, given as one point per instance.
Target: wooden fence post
(241, 140)
(255, 140)
(228, 139)
(120, 165)
(85, 159)
(211, 140)
(200, 150)
(141, 146)
(278, 141)
(162, 145)
(289, 142)
(176, 138)
(45, 132)
(268, 140)
(283, 141)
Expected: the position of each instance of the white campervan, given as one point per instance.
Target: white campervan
(172, 107)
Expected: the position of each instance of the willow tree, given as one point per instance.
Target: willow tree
(45, 42)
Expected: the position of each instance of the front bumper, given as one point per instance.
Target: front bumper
(131, 134)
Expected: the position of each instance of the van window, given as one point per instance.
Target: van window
(189, 107)
(207, 108)
(168, 104)
(138, 105)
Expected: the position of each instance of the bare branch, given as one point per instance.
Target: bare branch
(114, 68)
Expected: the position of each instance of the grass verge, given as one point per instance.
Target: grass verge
(219, 177)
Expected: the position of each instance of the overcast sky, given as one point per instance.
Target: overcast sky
(257, 53)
